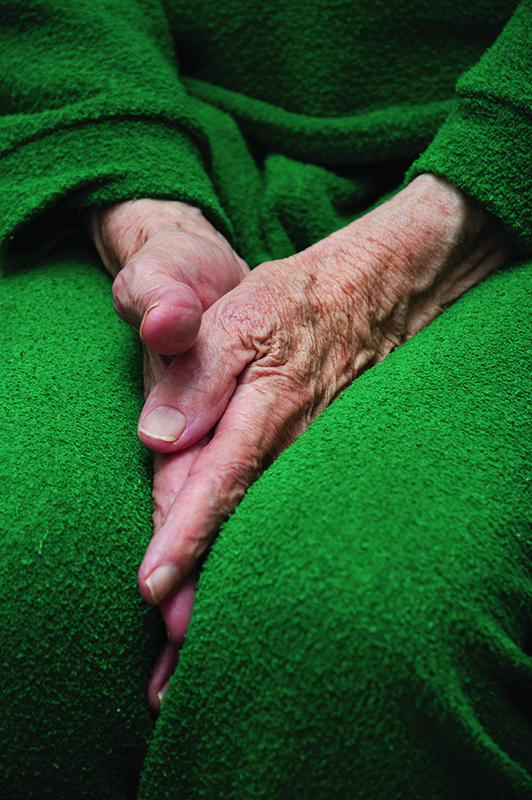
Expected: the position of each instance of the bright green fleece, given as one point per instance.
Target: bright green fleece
(403, 514)
(260, 114)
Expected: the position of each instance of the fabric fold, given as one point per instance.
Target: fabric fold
(484, 145)
(92, 164)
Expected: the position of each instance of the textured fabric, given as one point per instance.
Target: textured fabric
(363, 623)
(484, 146)
(77, 641)
(236, 109)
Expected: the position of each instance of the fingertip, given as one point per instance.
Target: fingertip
(162, 691)
(171, 323)
(161, 581)
(160, 680)
(177, 609)
(144, 318)
(162, 426)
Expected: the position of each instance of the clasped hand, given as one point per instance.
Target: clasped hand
(239, 363)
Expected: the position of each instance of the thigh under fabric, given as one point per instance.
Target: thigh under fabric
(363, 624)
(362, 627)
(76, 640)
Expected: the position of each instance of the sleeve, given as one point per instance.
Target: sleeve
(485, 145)
(91, 112)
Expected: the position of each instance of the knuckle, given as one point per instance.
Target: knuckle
(122, 298)
(249, 321)
(134, 289)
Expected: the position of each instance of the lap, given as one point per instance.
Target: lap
(77, 640)
(363, 622)
(370, 595)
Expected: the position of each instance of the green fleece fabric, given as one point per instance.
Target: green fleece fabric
(363, 627)
(76, 516)
(270, 118)
(363, 624)
(484, 146)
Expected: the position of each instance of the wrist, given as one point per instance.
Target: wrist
(428, 229)
(405, 261)
(120, 230)
(461, 222)
(450, 242)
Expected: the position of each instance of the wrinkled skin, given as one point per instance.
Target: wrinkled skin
(258, 355)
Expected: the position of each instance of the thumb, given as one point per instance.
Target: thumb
(150, 295)
(194, 391)
(169, 263)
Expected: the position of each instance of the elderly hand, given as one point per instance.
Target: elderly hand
(169, 265)
(276, 350)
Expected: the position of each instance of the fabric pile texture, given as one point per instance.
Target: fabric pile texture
(363, 622)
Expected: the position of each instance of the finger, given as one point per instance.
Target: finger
(150, 296)
(174, 277)
(170, 472)
(172, 320)
(254, 428)
(193, 393)
(160, 679)
(155, 365)
(176, 613)
(177, 609)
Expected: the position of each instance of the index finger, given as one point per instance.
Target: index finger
(254, 428)
(193, 393)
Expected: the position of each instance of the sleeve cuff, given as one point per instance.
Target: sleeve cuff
(47, 179)
(483, 148)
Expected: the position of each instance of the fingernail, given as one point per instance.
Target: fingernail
(161, 693)
(164, 423)
(161, 581)
(154, 305)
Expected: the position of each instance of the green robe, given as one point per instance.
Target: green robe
(363, 624)
(281, 123)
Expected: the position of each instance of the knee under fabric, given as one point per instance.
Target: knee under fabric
(362, 624)
(77, 640)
